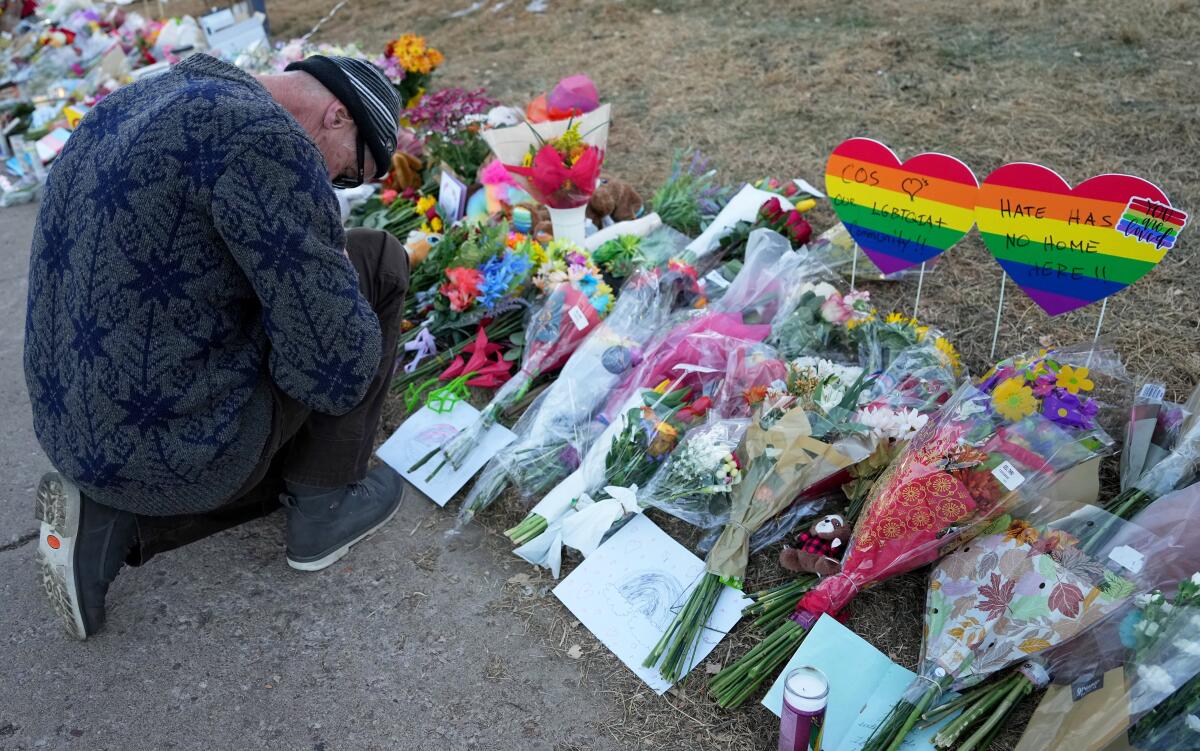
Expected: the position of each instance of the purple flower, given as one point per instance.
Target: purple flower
(447, 111)
(569, 456)
(1067, 409)
(1043, 385)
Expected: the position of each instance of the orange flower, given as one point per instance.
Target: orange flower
(1022, 532)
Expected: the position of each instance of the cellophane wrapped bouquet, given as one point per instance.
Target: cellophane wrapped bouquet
(626, 454)
(572, 309)
(962, 469)
(798, 436)
(1021, 587)
(557, 429)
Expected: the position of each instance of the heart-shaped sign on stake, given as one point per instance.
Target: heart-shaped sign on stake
(1067, 248)
(901, 215)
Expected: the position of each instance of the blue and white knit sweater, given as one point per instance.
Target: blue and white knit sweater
(188, 251)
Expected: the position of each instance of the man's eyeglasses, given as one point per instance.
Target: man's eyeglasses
(343, 181)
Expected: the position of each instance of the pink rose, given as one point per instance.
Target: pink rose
(835, 310)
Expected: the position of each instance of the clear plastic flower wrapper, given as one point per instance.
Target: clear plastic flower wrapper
(629, 451)
(970, 462)
(879, 340)
(1164, 472)
(1089, 702)
(553, 332)
(698, 367)
(744, 312)
(558, 428)
(780, 455)
(1021, 587)
(695, 483)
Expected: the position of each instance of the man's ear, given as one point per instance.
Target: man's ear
(336, 116)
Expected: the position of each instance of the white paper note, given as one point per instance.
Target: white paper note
(630, 588)
(427, 430)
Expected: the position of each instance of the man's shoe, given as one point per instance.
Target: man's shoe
(81, 548)
(322, 524)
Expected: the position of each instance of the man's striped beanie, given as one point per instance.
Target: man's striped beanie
(368, 95)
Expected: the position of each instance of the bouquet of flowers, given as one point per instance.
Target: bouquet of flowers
(963, 468)
(557, 429)
(690, 198)
(744, 312)
(1163, 472)
(696, 482)
(557, 162)
(561, 172)
(1018, 589)
(571, 311)
(797, 438)
(628, 452)
(1165, 671)
(753, 208)
(696, 365)
(637, 453)
(409, 62)
(449, 122)
(702, 470)
(819, 320)
(880, 340)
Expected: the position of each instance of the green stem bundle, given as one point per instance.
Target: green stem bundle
(975, 705)
(680, 641)
(530, 527)
(770, 607)
(734, 685)
(983, 735)
(890, 734)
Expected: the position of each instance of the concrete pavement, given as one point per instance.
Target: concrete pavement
(408, 643)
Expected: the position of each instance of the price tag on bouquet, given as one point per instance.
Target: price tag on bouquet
(577, 317)
(1008, 476)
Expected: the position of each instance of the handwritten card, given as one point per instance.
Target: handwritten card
(1069, 247)
(901, 215)
(864, 685)
(629, 589)
(427, 430)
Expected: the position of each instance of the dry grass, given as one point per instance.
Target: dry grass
(769, 88)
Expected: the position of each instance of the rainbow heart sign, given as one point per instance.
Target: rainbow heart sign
(1067, 248)
(901, 215)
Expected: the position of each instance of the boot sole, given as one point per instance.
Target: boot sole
(328, 559)
(57, 508)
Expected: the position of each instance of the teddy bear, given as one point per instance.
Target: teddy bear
(819, 550)
(613, 199)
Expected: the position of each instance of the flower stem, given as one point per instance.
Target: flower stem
(1018, 689)
(979, 703)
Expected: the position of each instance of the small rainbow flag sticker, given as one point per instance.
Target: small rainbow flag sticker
(1152, 222)
(901, 215)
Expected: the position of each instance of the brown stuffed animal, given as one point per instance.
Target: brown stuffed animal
(819, 549)
(615, 199)
(543, 228)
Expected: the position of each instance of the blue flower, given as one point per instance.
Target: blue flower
(500, 275)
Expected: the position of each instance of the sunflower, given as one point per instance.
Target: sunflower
(1013, 399)
(947, 350)
(1074, 380)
